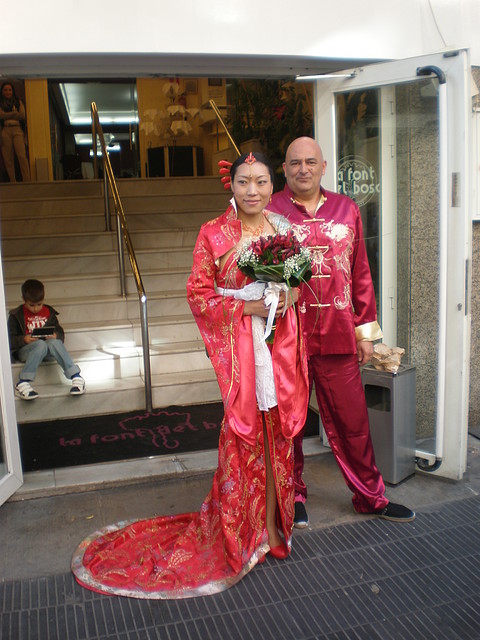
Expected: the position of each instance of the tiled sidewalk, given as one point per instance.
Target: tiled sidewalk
(366, 580)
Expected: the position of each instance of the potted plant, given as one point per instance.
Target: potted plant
(267, 115)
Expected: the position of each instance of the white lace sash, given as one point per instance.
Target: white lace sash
(264, 381)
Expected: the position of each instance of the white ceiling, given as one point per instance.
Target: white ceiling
(116, 102)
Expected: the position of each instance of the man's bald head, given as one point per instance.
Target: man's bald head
(304, 167)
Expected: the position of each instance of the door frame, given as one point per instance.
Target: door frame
(13, 476)
(455, 218)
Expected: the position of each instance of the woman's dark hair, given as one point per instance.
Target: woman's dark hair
(7, 105)
(33, 291)
(259, 157)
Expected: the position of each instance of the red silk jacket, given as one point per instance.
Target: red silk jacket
(339, 301)
(227, 334)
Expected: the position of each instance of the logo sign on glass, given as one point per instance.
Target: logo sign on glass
(357, 179)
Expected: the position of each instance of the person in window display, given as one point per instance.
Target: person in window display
(249, 511)
(12, 120)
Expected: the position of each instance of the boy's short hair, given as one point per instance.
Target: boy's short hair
(33, 291)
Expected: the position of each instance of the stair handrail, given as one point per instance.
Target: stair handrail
(216, 110)
(123, 235)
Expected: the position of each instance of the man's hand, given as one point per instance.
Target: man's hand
(364, 351)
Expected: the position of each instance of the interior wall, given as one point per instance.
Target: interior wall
(38, 127)
(157, 126)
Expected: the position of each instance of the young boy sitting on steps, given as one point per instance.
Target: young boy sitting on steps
(32, 350)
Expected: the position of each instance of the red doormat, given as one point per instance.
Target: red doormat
(125, 436)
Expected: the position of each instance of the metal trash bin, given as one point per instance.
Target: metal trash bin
(391, 411)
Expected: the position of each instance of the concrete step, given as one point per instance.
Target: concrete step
(37, 245)
(162, 330)
(114, 395)
(43, 190)
(113, 308)
(170, 186)
(28, 226)
(174, 279)
(95, 223)
(74, 264)
(126, 187)
(107, 334)
(138, 221)
(123, 361)
(57, 207)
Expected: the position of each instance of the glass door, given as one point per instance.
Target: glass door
(10, 463)
(394, 137)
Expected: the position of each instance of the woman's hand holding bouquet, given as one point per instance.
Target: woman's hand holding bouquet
(282, 263)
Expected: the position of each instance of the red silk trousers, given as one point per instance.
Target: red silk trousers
(343, 409)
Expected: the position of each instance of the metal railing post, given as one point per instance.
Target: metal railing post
(121, 260)
(225, 128)
(106, 202)
(123, 236)
(146, 353)
(94, 144)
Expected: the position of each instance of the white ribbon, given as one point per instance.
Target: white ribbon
(272, 296)
(264, 381)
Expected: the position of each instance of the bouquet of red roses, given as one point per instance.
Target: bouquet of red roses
(281, 262)
(278, 258)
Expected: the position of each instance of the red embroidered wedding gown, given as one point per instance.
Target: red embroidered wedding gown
(208, 551)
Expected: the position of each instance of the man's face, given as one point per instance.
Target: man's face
(304, 167)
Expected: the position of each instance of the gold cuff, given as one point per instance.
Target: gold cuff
(368, 332)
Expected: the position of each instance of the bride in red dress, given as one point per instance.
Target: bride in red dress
(249, 510)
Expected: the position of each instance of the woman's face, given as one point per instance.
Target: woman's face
(7, 91)
(252, 188)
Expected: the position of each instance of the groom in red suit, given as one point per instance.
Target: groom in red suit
(340, 323)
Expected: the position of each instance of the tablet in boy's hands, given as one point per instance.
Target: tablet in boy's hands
(41, 332)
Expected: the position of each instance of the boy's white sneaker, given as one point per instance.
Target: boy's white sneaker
(25, 391)
(78, 386)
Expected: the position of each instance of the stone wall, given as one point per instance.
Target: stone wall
(474, 408)
(418, 242)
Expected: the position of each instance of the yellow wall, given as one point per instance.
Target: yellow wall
(153, 101)
(38, 129)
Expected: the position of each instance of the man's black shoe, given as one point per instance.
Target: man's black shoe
(395, 513)
(300, 519)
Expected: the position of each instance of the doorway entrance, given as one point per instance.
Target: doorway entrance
(71, 129)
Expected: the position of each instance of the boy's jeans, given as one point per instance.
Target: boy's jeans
(36, 352)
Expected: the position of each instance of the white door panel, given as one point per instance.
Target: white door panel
(10, 463)
(403, 133)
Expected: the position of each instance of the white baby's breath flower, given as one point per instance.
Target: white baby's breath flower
(246, 257)
(294, 263)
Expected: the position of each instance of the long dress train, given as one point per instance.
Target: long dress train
(201, 553)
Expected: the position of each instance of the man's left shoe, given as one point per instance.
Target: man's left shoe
(395, 513)
(78, 386)
(300, 519)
